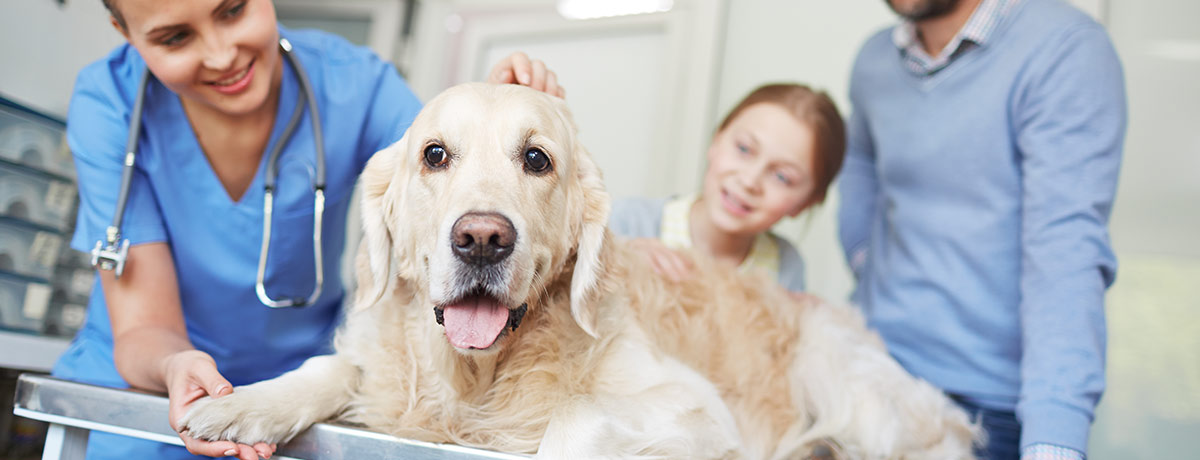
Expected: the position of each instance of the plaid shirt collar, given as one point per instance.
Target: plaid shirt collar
(974, 33)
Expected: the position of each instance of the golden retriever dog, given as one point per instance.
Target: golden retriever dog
(495, 310)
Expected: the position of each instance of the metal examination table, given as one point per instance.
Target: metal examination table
(75, 409)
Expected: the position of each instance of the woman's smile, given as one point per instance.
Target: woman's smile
(236, 82)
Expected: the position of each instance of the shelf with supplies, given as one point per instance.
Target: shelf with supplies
(44, 284)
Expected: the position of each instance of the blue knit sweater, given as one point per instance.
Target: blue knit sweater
(975, 211)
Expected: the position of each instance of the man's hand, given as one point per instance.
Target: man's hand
(518, 69)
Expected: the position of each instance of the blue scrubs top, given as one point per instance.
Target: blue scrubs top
(215, 241)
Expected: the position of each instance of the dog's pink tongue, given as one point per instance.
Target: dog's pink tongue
(475, 322)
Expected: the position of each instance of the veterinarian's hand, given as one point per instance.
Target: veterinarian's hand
(192, 375)
(517, 68)
(666, 261)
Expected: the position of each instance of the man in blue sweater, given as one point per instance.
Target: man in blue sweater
(984, 144)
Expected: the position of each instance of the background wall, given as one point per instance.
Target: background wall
(1152, 406)
(43, 45)
(641, 87)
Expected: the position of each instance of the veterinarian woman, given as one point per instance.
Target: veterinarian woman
(184, 316)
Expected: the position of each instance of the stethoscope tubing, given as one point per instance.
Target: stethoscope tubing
(318, 190)
(135, 127)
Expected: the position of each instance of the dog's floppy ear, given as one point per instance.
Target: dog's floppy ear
(595, 205)
(377, 212)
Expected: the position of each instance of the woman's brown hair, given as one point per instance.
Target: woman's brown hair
(817, 111)
(111, 6)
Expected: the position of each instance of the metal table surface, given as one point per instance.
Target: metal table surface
(74, 409)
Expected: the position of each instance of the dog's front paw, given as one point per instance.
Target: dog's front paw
(249, 415)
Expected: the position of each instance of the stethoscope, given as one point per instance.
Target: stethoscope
(110, 254)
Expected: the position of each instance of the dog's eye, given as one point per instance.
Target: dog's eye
(436, 157)
(536, 161)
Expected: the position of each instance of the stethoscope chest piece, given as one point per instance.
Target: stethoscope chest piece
(111, 256)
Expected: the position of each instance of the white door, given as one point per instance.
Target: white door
(640, 87)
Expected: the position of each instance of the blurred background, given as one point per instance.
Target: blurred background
(647, 90)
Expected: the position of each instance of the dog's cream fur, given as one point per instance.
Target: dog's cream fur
(611, 360)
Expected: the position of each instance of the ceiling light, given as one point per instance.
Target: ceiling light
(588, 9)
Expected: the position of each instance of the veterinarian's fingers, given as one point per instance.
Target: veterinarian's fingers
(179, 397)
(188, 370)
(264, 450)
(176, 409)
(212, 381)
(210, 449)
(246, 452)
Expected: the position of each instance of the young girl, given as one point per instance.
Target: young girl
(774, 155)
(183, 317)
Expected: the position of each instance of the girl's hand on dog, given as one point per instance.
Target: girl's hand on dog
(518, 69)
(666, 261)
(191, 375)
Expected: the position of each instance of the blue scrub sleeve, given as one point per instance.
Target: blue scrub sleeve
(393, 108)
(97, 128)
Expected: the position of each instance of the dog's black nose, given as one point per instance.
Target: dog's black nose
(481, 238)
